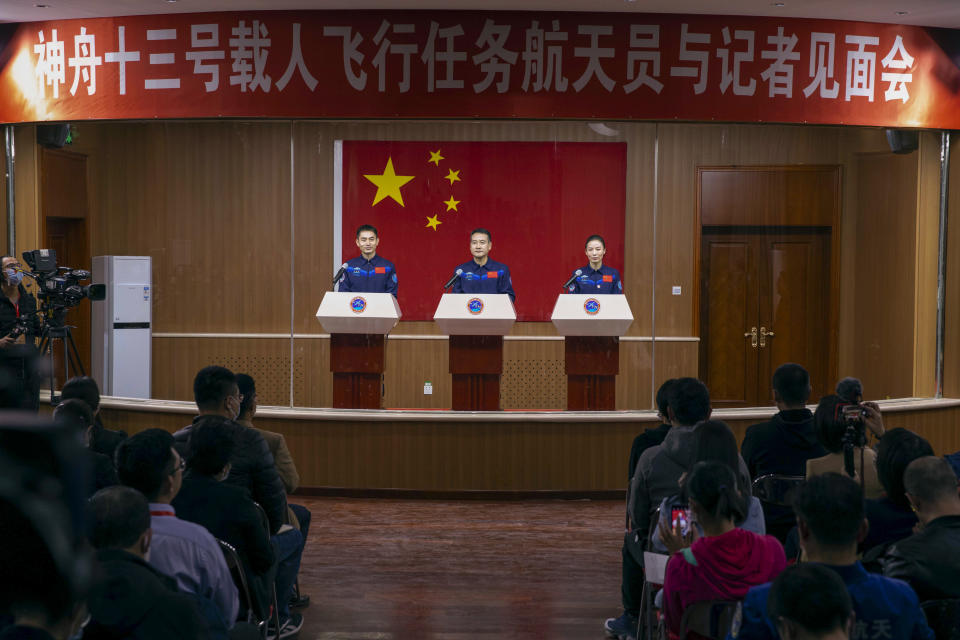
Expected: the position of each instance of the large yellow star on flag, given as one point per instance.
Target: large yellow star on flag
(433, 222)
(451, 204)
(452, 176)
(435, 157)
(388, 184)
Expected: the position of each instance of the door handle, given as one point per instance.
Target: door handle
(764, 334)
(752, 334)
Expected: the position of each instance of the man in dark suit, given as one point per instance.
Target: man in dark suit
(229, 514)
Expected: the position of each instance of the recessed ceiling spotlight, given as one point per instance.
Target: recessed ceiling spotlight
(901, 13)
(778, 4)
(42, 6)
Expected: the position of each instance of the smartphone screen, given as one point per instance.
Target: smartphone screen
(680, 515)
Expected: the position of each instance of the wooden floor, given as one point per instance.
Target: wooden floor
(412, 569)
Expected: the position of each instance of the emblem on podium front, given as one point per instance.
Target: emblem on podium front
(475, 305)
(591, 306)
(358, 304)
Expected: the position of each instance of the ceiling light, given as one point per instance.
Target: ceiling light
(900, 13)
(778, 4)
(42, 6)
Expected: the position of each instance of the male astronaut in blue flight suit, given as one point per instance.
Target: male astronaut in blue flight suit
(483, 275)
(369, 273)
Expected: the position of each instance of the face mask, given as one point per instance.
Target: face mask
(13, 277)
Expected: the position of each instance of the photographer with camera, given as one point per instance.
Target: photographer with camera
(842, 422)
(19, 327)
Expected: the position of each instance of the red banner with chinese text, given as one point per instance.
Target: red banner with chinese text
(540, 201)
(413, 64)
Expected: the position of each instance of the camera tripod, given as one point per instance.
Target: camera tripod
(55, 329)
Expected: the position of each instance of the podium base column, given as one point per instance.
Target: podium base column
(591, 393)
(476, 392)
(357, 390)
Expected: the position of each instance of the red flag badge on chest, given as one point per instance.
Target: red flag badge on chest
(608, 278)
(491, 274)
(380, 270)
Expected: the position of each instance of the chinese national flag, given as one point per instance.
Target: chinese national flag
(540, 201)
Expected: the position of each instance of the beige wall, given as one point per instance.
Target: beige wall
(211, 202)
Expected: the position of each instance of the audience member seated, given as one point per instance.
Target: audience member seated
(929, 560)
(298, 516)
(831, 426)
(652, 437)
(131, 599)
(891, 518)
(713, 442)
(251, 466)
(102, 440)
(656, 478)
(830, 522)
(78, 416)
(726, 561)
(229, 514)
(810, 602)
(954, 460)
(783, 444)
(185, 551)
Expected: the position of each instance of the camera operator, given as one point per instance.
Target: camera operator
(19, 326)
(842, 423)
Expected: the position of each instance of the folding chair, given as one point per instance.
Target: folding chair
(943, 616)
(708, 619)
(265, 521)
(239, 575)
(777, 489)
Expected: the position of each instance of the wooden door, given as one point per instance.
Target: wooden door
(68, 237)
(764, 301)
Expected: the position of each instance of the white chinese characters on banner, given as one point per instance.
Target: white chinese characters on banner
(436, 57)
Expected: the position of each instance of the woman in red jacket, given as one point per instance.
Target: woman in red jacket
(726, 561)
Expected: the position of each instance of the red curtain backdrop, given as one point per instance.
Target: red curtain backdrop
(540, 201)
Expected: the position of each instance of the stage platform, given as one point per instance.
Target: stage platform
(520, 454)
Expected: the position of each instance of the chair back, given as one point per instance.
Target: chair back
(777, 489)
(239, 575)
(943, 616)
(708, 619)
(274, 611)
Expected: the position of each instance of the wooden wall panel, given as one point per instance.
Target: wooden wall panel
(951, 355)
(176, 362)
(27, 185)
(928, 234)
(311, 356)
(210, 203)
(411, 363)
(886, 274)
(769, 197)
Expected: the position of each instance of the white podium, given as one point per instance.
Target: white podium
(591, 326)
(476, 324)
(357, 324)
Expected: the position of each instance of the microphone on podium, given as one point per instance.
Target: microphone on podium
(455, 277)
(576, 274)
(339, 275)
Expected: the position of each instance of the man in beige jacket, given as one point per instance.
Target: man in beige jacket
(298, 515)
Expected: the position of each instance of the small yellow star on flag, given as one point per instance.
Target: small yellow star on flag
(452, 176)
(433, 222)
(435, 157)
(451, 204)
(388, 184)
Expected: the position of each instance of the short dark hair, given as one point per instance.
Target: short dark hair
(116, 517)
(828, 423)
(812, 596)
(792, 383)
(714, 487)
(930, 478)
(595, 237)
(367, 227)
(832, 506)
(663, 396)
(895, 451)
(483, 231)
(211, 446)
(248, 389)
(84, 388)
(144, 460)
(211, 386)
(690, 401)
(75, 413)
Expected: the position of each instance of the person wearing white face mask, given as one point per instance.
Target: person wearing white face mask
(218, 400)
(19, 326)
